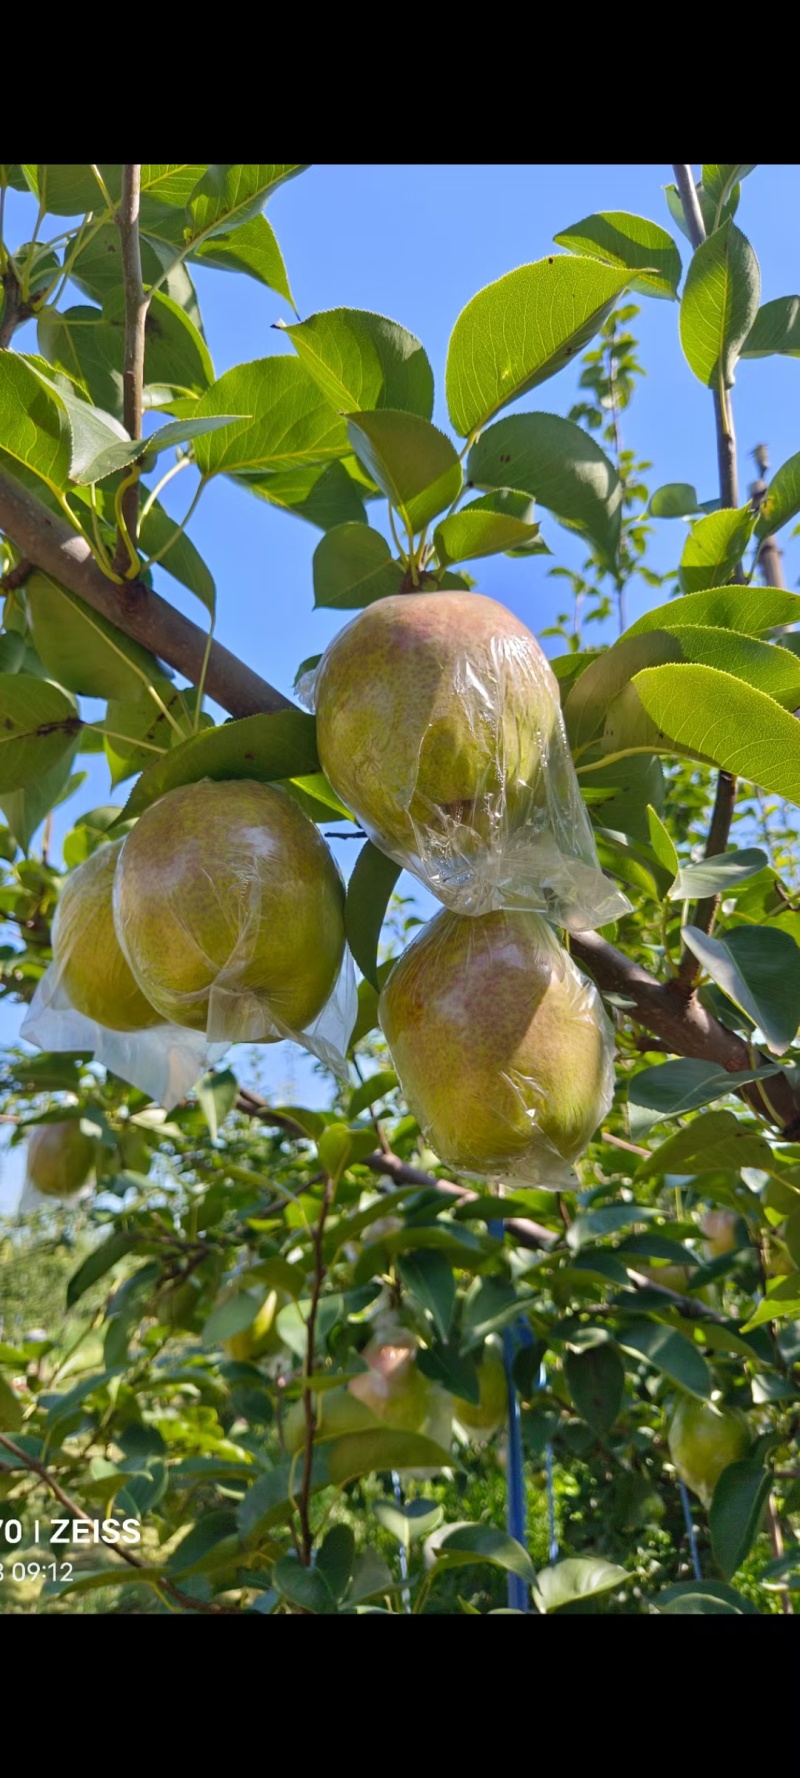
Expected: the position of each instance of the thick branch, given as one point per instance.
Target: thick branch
(48, 542)
(685, 1026)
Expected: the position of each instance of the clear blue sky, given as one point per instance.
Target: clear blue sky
(415, 243)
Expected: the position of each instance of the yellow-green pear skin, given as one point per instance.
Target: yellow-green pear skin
(262, 1336)
(230, 886)
(435, 712)
(502, 1046)
(721, 1228)
(60, 1158)
(703, 1439)
(336, 1412)
(483, 1418)
(86, 951)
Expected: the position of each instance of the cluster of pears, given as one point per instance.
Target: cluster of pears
(223, 889)
(435, 712)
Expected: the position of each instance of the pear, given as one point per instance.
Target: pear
(60, 1158)
(336, 1412)
(230, 886)
(501, 1044)
(86, 950)
(436, 714)
(262, 1335)
(721, 1229)
(485, 1417)
(703, 1439)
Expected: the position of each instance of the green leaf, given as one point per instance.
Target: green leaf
(725, 721)
(352, 567)
(181, 560)
(560, 466)
(10, 1408)
(384, 1448)
(782, 502)
(669, 1352)
(484, 1543)
(673, 1088)
(661, 843)
(579, 1577)
(38, 724)
(735, 1513)
(134, 729)
(675, 500)
(251, 248)
(26, 809)
(262, 747)
(456, 1371)
(522, 329)
(81, 649)
(488, 526)
(718, 182)
(718, 1139)
(701, 1598)
(216, 1095)
(708, 208)
(72, 190)
(339, 1147)
(409, 1522)
(227, 196)
(618, 795)
(118, 456)
(596, 1381)
(718, 875)
(780, 1302)
(336, 1559)
(714, 547)
(372, 1091)
(368, 894)
(230, 1317)
(307, 1588)
(430, 1279)
(322, 493)
(292, 425)
(414, 464)
(98, 1263)
(33, 424)
(776, 329)
(720, 304)
(751, 611)
(363, 361)
(604, 690)
(620, 239)
(758, 967)
(97, 270)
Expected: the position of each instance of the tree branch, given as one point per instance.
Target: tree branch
(127, 218)
(47, 542)
(14, 310)
(684, 1024)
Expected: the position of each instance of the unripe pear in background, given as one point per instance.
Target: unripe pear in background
(676, 1278)
(396, 1391)
(230, 886)
(721, 1229)
(703, 1439)
(502, 1046)
(86, 951)
(435, 709)
(262, 1336)
(483, 1418)
(60, 1158)
(336, 1412)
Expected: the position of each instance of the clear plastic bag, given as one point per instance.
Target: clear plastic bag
(502, 1046)
(229, 909)
(439, 725)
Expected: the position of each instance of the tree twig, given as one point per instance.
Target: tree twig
(127, 218)
(304, 1495)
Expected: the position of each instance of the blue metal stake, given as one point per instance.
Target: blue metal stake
(515, 1511)
(690, 1530)
(402, 1552)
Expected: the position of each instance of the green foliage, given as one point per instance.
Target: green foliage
(178, 1346)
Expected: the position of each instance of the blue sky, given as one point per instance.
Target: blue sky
(415, 243)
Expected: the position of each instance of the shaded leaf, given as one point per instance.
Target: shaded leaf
(668, 1352)
(621, 239)
(352, 567)
(776, 329)
(486, 527)
(758, 967)
(718, 875)
(368, 894)
(262, 747)
(414, 463)
(596, 1381)
(560, 466)
(38, 724)
(735, 1513)
(252, 248)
